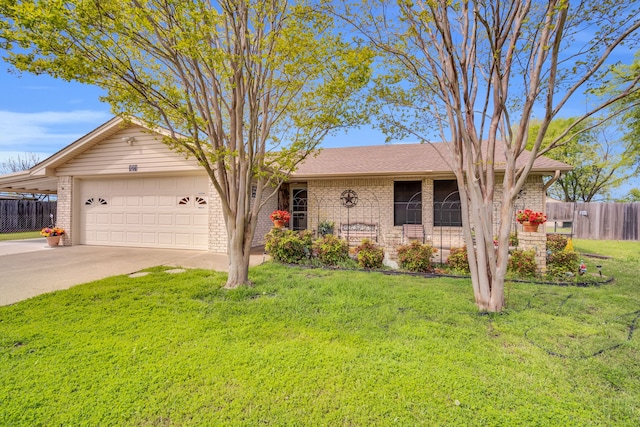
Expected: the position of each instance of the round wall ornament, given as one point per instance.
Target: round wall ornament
(349, 198)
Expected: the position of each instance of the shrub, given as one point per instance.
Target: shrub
(288, 246)
(513, 239)
(369, 255)
(562, 262)
(325, 227)
(416, 257)
(523, 263)
(556, 242)
(306, 236)
(458, 259)
(331, 250)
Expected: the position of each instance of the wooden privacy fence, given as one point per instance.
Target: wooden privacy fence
(598, 221)
(25, 215)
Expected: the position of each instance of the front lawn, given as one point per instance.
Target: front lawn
(20, 235)
(317, 347)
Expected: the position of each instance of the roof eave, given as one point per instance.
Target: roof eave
(343, 175)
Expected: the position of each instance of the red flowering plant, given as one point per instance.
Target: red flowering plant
(283, 216)
(528, 215)
(51, 231)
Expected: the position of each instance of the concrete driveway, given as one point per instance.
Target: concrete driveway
(29, 267)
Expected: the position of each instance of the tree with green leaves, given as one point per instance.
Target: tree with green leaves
(630, 126)
(633, 196)
(476, 73)
(248, 88)
(601, 163)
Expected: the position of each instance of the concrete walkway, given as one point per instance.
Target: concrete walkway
(29, 267)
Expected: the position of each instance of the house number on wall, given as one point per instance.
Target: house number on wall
(133, 168)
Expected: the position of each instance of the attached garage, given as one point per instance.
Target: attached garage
(121, 185)
(152, 212)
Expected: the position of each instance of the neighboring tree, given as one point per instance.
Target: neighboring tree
(630, 126)
(20, 162)
(477, 72)
(632, 197)
(600, 163)
(247, 87)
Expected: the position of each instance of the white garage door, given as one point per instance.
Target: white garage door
(167, 212)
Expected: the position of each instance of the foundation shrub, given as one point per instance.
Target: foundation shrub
(562, 262)
(458, 259)
(288, 246)
(556, 242)
(416, 257)
(522, 263)
(331, 250)
(369, 255)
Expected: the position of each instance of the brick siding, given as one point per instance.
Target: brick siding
(65, 218)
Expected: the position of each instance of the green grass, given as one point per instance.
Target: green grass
(316, 347)
(20, 236)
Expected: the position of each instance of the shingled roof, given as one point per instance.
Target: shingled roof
(396, 160)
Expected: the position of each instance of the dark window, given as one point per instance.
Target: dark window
(407, 202)
(299, 209)
(447, 211)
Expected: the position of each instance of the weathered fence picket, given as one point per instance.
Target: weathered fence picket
(25, 215)
(598, 221)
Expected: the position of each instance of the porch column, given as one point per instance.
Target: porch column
(64, 209)
(536, 241)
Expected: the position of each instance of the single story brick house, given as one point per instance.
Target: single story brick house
(119, 185)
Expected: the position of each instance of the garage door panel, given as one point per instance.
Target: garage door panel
(91, 235)
(183, 239)
(117, 186)
(117, 236)
(166, 201)
(201, 240)
(133, 218)
(150, 201)
(135, 186)
(165, 219)
(149, 237)
(165, 238)
(102, 219)
(149, 219)
(117, 219)
(118, 201)
(90, 218)
(103, 236)
(149, 186)
(200, 220)
(133, 237)
(168, 212)
(183, 219)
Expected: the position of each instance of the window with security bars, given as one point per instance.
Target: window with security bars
(447, 210)
(407, 202)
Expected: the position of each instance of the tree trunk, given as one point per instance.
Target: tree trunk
(488, 265)
(238, 253)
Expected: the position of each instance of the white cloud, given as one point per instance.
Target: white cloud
(46, 131)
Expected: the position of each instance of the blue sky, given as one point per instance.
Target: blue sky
(41, 114)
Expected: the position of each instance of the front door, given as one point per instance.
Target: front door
(299, 208)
